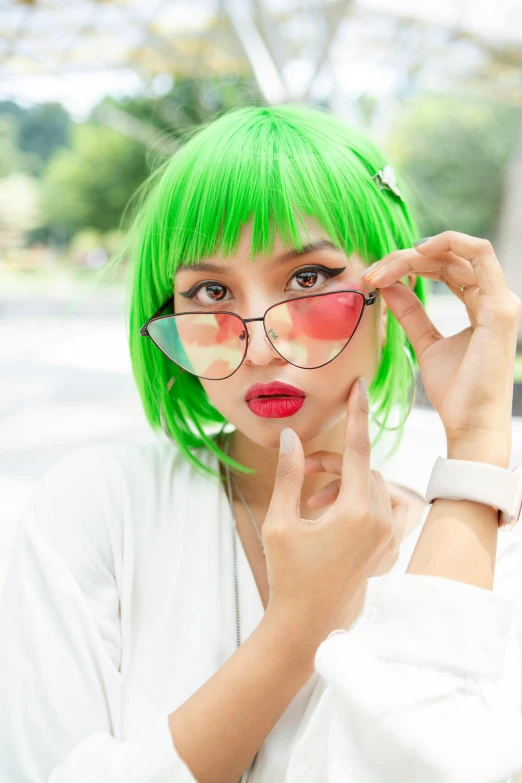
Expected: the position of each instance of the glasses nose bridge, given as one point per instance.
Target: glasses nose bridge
(250, 320)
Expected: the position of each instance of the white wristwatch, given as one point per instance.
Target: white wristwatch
(457, 479)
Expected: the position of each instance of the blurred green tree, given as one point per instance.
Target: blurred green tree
(89, 184)
(452, 152)
(37, 132)
(12, 159)
(43, 129)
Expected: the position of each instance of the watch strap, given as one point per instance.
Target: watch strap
(501, 488)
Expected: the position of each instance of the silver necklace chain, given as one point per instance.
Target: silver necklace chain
(250, 514)
(234, 554)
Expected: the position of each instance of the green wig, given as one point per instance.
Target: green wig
(268, 165)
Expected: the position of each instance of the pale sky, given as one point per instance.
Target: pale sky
(493, 19)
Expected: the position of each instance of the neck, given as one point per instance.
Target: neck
(257, 489)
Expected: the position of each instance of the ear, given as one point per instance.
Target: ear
(411, 282)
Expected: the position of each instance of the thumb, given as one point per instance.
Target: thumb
(411, 315)
(286, 497)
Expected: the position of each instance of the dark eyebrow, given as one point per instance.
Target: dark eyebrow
(321, 244)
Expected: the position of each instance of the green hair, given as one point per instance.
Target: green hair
(270, 165)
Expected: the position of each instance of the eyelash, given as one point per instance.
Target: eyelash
(191, 293)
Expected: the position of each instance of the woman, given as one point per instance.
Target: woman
(377, 638)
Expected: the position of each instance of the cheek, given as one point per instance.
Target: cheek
(360, 357)
(221, 393)
(365, 342)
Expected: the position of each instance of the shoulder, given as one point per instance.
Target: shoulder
(81, 470)
(101, 473)
(82, 480)
(77, 503)
(83, 499)
(94, 492)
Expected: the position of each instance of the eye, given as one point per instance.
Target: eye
(306, 278)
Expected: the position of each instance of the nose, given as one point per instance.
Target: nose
(260, 350)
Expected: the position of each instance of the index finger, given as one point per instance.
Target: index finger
(356, 474)
(480, 254)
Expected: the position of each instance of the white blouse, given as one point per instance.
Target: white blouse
(118, 605)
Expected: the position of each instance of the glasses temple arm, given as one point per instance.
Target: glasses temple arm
(144, 330)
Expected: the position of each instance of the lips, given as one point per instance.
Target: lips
(275, 407)
(273, 389)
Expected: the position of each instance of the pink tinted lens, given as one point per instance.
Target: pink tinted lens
(311, 331)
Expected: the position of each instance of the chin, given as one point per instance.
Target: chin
(265, 432)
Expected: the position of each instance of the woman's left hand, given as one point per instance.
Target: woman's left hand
(468, 377)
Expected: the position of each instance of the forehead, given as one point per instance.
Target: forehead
(309, 230)
(311, 234)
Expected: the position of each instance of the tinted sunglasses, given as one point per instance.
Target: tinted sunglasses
(307, 331)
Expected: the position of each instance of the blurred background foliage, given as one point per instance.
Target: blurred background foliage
(66, 183)
(454, 152)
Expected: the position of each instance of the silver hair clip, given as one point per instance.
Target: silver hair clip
(386, 180)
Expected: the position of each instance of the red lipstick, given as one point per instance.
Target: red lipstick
(273, 389)
(275, 400)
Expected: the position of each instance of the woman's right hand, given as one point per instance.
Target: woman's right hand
(317, 569)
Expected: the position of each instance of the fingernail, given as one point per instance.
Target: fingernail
(370, 269)
(363, 388)
(420, 241)
(286, 440)
(376, 273)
